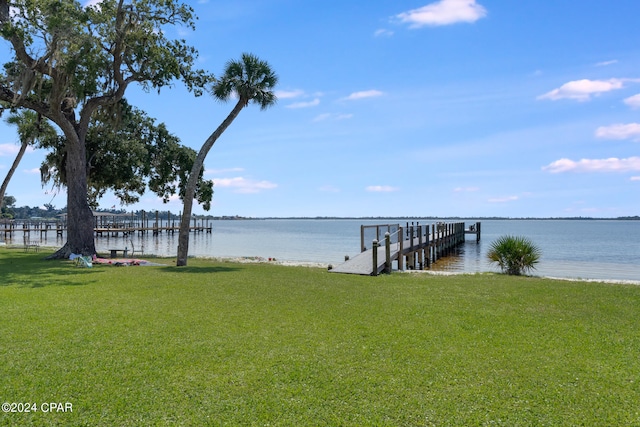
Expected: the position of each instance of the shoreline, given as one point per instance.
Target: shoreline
(324, 265)
(262, 260)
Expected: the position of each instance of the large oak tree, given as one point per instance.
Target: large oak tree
(127, 153)
(70, 61)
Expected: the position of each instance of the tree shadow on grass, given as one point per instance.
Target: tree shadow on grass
(32, 270)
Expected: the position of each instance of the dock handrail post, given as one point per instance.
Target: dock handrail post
(436, 242)
(427, 248)
(477, 232)
(387, 244)
(374, 249)
(400, 249)
(420, 249)
(362, 247)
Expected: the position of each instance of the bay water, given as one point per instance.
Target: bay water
(587, 249)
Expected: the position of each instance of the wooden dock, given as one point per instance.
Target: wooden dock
(105, 224)
(412, 247)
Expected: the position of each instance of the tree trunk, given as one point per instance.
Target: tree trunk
(80, 221)
(14, 166)
(190, 191)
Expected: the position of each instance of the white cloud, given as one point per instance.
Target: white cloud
(383, 32)
(465, 189)
(620, 131)
(503, 199)
(322, 117)
(9, 149)
(582, 90)
(329, 116)
(612, 164)
(95, 3)
(288, 94)
(243, 185)
(443, 12)
(34, 171)
(363, 94)
(344, 116)
(381, 189)
(635, 178)
(605, 63)
(12, 149)
(172, 198)
(305, 104)
(633, 101)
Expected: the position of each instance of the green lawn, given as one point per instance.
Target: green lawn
(225, 344)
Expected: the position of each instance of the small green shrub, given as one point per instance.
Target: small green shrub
(514, 254)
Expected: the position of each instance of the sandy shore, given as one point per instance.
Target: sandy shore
(568, 279)
(258, 259)
(430, 272)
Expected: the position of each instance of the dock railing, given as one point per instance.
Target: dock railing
(380, 229)
(414, 246)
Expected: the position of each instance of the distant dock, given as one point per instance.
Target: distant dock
(105, 224)
(413, 246)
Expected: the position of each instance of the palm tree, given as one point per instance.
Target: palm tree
(514, 254)
(251, 80)
(31, 128)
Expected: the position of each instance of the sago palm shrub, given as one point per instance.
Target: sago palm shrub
(514, 254)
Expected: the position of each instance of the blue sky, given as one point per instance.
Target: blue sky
(409, 108)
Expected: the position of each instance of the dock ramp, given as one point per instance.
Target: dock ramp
(362, 263)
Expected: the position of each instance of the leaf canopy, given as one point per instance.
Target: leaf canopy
(127, 152)
(250, 79)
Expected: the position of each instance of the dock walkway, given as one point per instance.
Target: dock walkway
(415, 247)
(362, 263)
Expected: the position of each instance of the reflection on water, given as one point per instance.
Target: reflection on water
(466, 257)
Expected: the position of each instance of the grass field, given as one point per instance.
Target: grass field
(224, 344)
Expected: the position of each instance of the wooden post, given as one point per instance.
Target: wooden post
(400, 249)
(427, 248)
(420, 249)
(387, 244)
(434, 244)
(374, 248)
(362, 246)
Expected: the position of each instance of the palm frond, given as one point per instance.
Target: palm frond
(250, 79)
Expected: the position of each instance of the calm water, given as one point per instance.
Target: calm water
(590, 249)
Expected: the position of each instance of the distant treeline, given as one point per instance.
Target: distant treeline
(455, 218)
(51, 213)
